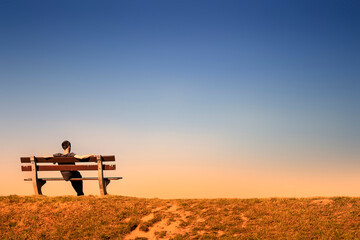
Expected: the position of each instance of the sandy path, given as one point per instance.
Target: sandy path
(171, 228)
(171, 223)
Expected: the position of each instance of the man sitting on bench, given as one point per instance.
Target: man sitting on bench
(67, 175)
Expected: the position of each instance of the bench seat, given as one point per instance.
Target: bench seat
(74, 179)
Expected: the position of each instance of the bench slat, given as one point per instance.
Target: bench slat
(74, 179)
(67, 167)
(110, 158)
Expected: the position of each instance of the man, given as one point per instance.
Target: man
(67, 175)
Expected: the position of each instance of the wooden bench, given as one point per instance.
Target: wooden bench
(36, 164)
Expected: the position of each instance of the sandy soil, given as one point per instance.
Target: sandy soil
(171, 228)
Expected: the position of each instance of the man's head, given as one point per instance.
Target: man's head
(65, 144)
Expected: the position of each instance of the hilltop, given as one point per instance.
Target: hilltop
(117, 217)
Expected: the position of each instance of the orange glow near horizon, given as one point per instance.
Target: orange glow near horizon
(194, 172)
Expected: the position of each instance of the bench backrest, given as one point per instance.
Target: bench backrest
(93, 163)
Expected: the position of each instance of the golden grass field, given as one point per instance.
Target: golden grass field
(117, 217)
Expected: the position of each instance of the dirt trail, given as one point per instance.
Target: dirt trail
(164, 228)
(172, 222)
(245, 219)
(323, 201)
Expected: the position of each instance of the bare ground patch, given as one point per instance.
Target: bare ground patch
(324, 201)
(167, 227)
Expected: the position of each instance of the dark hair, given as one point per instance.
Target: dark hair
(65, 144)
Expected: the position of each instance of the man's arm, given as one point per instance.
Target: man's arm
(84, 156)
(48, 157)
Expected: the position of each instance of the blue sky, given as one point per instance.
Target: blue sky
(274, 79)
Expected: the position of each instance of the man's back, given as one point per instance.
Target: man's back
(71, 154)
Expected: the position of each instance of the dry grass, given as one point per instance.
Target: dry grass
(116, 217)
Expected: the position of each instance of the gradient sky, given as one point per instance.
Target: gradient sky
(195, 98)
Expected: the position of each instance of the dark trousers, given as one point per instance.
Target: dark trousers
(77, 185)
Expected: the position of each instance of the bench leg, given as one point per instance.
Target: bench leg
(37, 184)
(102, 185)
(107, 181)
(102, 181)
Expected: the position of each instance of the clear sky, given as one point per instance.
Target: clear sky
(195, 98)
